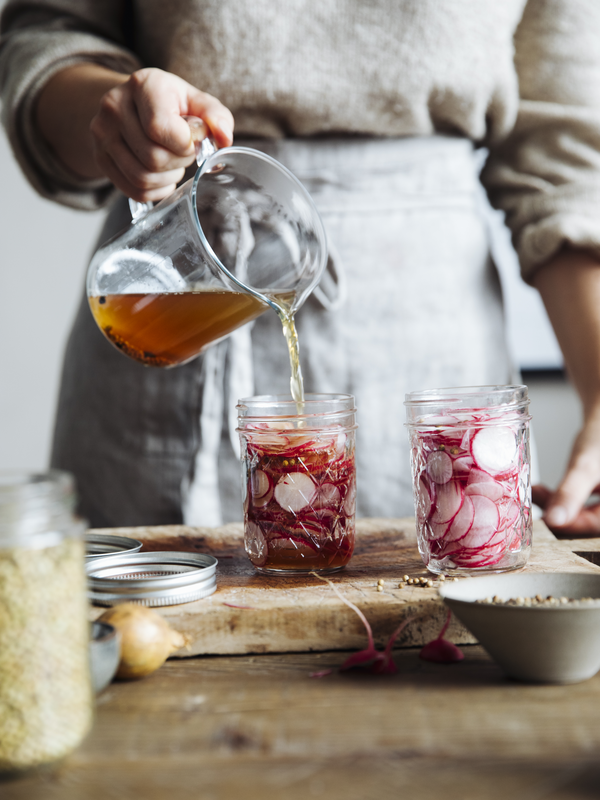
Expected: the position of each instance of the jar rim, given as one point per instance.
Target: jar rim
(22, 483)
(514, 394)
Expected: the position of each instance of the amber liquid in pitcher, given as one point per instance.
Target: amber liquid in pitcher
(163, 330)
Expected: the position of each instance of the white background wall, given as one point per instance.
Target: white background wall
(43, 252)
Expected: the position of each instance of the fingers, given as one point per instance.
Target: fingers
(140, 141)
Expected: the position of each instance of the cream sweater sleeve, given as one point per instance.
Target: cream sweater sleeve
(37, 41)
(546, 174)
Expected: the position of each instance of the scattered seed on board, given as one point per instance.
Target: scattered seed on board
(379, 587)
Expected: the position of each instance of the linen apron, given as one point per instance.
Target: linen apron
(410, 300)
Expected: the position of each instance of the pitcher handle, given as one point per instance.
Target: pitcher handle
(204, 146)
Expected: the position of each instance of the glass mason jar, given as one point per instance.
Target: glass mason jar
(46, 698)
(298, 482)
(471, 477)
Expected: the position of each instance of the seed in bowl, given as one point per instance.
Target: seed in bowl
(540, 602)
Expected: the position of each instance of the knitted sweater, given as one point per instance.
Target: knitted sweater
(521, 78)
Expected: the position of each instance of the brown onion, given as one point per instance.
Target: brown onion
(147, 639)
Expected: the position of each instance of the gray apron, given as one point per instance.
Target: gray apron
(410, 300)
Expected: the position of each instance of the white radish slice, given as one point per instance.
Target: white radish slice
(479, 476)
(439, 466)
(255, 543)
(424, 500)
(438, 530)
(462, 466)
(328, 495)
(260, 483)
(465, 443)
(485, 522)
(509, 511)
(448, 501)
(271, 442)
(494, 450)
(462, 522)
(492, 490)
(295, 491)
(350, 499)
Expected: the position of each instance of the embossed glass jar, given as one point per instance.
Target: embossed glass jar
(46, 696)
(471, 477)
(298, 482)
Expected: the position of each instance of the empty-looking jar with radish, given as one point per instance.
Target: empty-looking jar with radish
(471, 477)
(298, 482)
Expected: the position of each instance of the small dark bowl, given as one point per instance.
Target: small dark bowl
(105, 653)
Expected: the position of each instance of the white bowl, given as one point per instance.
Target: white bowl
(550, 644)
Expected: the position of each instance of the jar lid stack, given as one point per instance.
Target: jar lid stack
(151, 579)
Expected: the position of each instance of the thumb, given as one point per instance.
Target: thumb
(572, 493)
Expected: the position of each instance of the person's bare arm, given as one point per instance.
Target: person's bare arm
(127, 128)
(570, 288)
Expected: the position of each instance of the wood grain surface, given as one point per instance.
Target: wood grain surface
(302, 614)
(260, 728)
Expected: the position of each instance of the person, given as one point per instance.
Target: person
(380, 108)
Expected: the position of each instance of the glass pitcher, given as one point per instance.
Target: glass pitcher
(239, 237)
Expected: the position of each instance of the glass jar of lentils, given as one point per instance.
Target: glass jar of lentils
(45, 687)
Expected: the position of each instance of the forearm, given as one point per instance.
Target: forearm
(65, 108)
(569, 285)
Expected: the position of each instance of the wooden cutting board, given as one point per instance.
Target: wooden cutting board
(302, 614)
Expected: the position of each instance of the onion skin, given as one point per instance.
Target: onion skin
(147, 639)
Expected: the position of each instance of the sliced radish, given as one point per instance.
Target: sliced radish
(485, 522)
(328, 495)
(350, 499)
(295, 491)
(438, 530)
(462, 522)
(494, 450)
(479, 476)
(448, 501)
(424, 500)
(255, 543)
(439, 466)
(491, 490)
(260, 483)
(462, 466)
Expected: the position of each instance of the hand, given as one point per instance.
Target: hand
(139, 139)
(565, 510)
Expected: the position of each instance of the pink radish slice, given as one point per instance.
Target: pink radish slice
(255, 543)
(424, 500)
(439, 466)
(465, 443)
(350, 499)
(492, 490)
(462, 522)
(295, 491)
(437, 530)
(328, 495)
(509, 511)
(448, 501)
(260, 483)
(462, 466)
(494, 450)
(485, 522)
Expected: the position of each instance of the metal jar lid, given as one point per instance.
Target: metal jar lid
(100, 545)
(151, 579)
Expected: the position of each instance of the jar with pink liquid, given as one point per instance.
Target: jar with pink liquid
(298, 482)
(471, 477)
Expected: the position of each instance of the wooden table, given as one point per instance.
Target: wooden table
(255, 727)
